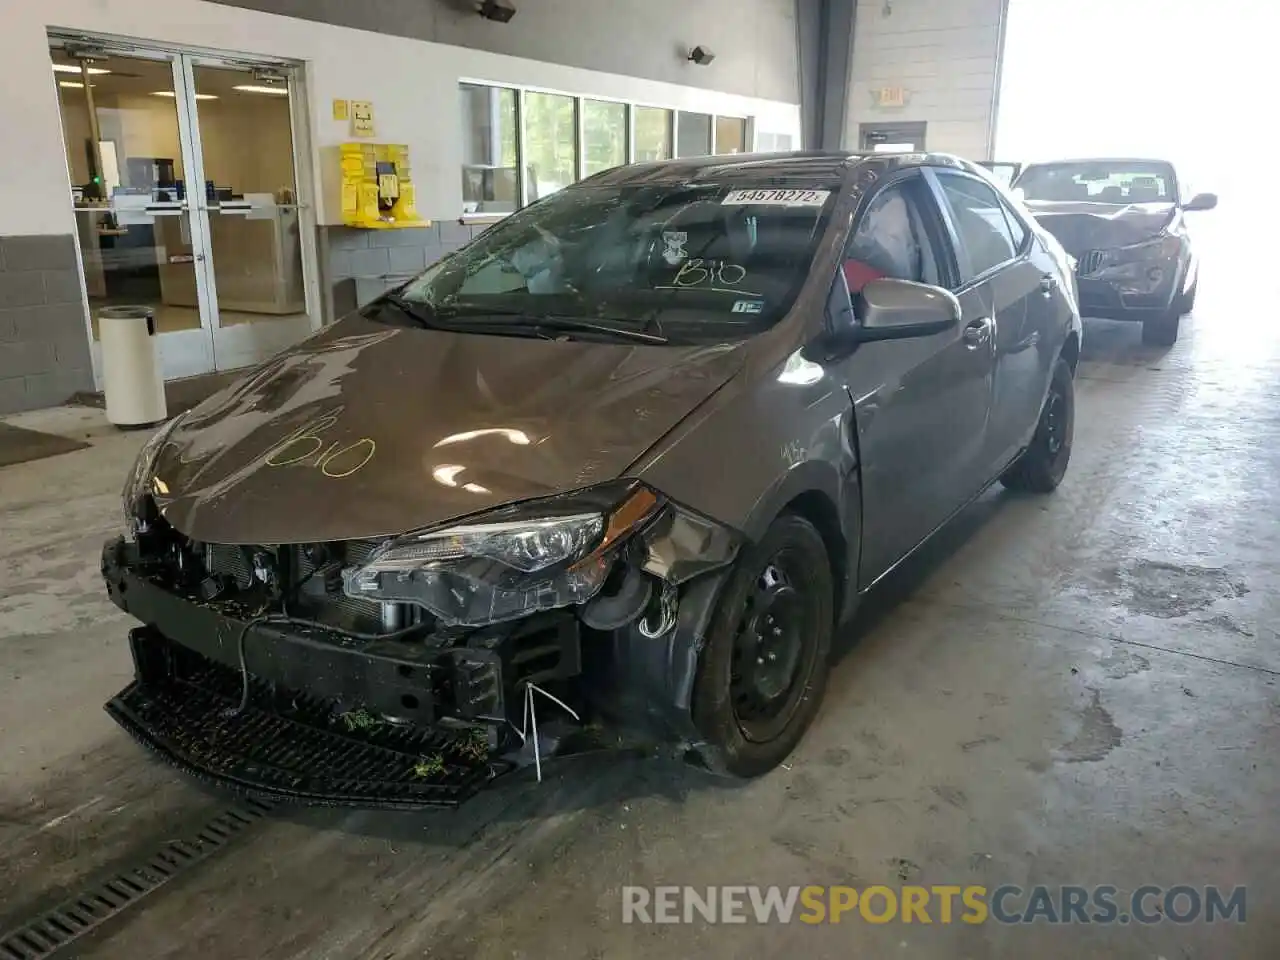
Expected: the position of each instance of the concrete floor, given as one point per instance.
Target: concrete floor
(1078, 689)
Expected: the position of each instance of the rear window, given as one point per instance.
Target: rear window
(732, 255)
(1099, 181)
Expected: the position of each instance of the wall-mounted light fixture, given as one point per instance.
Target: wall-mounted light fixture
(702, 56)
(500, 11)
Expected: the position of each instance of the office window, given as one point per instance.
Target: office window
(693, 135)
(604, 135)
(653, 134)
(490, 182)
(731, 135)
(551, 142)
(773, 142)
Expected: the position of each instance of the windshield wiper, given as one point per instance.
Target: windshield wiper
(416, 310)
(537, 323)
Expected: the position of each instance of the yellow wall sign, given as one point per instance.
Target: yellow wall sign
(377, 187)
(340, 108)
(361, 118)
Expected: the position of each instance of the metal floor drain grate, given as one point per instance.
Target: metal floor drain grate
(46, 934)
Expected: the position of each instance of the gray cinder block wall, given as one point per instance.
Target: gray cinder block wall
(44, 348)
(359, 265)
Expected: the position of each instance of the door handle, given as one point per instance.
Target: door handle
(977, 333)
(1048, 284)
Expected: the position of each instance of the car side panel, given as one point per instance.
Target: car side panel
(921, 407)
(765, 438)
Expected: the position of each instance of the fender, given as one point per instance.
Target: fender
(831, 498)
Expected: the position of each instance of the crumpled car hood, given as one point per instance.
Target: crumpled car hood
(366, 430)
(1081, 226)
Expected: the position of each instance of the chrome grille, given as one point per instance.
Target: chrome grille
(1090, 262)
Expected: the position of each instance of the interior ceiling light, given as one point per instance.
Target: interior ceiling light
(170, 93)
(255, 88)
(72, 68)
(74, 84)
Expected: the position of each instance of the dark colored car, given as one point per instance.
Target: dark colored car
(1124, 222)
(618, 468)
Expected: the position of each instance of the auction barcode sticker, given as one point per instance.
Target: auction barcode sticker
(777, 198)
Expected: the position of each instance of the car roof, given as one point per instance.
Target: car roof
(1047, 163)
(808, 167)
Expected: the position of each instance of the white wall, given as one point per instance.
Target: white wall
(412, 84)
(945, 53)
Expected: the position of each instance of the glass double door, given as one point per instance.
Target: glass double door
(186, 200)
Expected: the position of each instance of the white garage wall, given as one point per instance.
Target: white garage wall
(945, 53)
(413, 85)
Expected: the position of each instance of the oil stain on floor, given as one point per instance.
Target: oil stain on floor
(1154, 588)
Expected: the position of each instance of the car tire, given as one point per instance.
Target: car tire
(764, 668)
(1162, 331)
(1044, 463)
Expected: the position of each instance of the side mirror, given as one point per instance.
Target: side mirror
(1202, 201)
(899, 309)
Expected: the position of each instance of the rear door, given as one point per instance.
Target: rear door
(921, 405)
(997, 265)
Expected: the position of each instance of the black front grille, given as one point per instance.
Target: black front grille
(1090, 262)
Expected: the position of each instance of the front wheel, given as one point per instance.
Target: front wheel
(1044, 463)
(764, 668)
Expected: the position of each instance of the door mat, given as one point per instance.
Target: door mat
(19, 445)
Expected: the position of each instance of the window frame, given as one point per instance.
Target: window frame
(579, 100)
(932, 219)
(960, 252)
(930, 213)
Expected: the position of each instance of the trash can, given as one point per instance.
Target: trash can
(131, 367)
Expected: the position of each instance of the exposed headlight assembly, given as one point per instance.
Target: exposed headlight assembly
(141, 478)
(536, 556)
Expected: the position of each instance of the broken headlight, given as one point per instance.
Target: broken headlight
(140, 481)
(511, 563)
(1161, 247)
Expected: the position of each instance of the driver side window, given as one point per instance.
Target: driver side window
(890, 241)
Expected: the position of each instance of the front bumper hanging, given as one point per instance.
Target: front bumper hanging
(185, 708)
(314, 722)
(289, 709)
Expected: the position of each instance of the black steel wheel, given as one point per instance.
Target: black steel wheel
(764, 668)
(1044, 463)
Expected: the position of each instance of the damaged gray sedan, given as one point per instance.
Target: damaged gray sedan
(613, 473)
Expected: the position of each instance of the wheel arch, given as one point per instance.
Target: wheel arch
(815, 491)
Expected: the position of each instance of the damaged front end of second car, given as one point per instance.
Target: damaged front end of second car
(410, 671)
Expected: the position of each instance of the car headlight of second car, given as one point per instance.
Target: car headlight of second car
(1163, 247)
